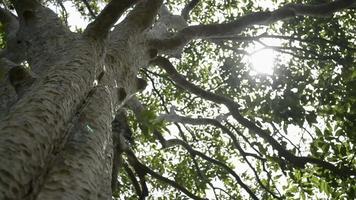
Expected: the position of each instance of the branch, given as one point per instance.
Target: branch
(160, 96)
(256, 18)
(190, 6)
(173, 142)
(133, 179)
(139, 171)
(122, 138)
(146, 170)
(142, 15)
(208, 121)
(298, 162)
(171, 21)
(101, 26)
(91, 12)
(236, 143)
(64, 10)
(135, 105)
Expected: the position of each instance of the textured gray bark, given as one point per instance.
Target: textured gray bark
(56, 137)
(56, 141)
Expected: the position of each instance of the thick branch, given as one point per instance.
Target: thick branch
(256, 18)
(234, 110)
(143, 14)
(100, 27)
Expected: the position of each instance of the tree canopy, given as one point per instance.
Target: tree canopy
(210, 125)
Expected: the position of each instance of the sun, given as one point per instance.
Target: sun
(262, 61)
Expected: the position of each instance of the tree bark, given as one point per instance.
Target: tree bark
(56, 142)
(56, 139)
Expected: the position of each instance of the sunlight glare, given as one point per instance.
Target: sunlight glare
(262, 61)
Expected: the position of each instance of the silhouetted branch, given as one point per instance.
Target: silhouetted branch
(146, 170)
(208, 121)
(64, 10)
(133, 179)
(138, 108)
(295, 161)
(190, 6)
(161, 97)
(90, 10)
(256, 18)
(135, 105)
(122, 139)
(173, 142)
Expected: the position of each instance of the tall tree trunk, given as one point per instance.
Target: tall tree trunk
(56, 141)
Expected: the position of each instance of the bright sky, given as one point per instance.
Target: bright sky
(263, 61)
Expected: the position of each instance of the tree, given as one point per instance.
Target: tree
(72, 128)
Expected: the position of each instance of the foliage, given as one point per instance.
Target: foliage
(308, 105)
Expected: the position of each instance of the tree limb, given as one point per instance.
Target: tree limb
(295, 161)
(143, 14)
(190, 6)
(122, 138)
(133, 179)
(101, 26)
(256, 18)
(236, 143)
(146, 170)
(64, 10)
(171, 21)
(137, 108)
(135, 105)
(173, 142)
(91, 12)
